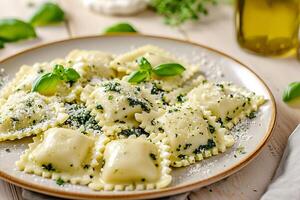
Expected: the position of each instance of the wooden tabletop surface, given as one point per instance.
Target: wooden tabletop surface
(217, 31)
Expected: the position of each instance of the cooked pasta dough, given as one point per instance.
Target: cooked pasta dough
(116, 124)
(60, 153)
(226, 101)
(25, 114)
(120, 171)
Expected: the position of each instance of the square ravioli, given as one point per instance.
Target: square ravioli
(24, 114)
(60, 153)
(192, 133)
(121, 158)
(226, 101)
(115, 102)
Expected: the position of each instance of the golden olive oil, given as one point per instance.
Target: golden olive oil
(268, 27)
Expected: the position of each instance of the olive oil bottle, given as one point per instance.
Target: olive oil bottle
(268, 27)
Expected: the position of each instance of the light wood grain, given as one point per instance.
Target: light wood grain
(216, 31)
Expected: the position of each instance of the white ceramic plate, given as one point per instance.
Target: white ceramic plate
(252, 135)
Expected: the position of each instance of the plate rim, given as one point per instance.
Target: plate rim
(153, 193)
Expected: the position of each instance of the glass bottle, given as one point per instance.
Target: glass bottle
(268, 27)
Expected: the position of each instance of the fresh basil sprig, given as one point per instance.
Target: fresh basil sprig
(169, 69)
(48, 13)
(47, 84)
(291, 92)
(146, 70)
(120, 28)
(12, 30)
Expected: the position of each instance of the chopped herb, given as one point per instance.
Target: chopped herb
(181, 156)
(251, 115)
(134, 102)
(155, 89)
(110, 97)
(112, 86)
(80, 116)
(152, 156)
(49, 167)
(211, 128)
(60, 182)
(99, 107)
(143, 179)
(210, 144)
(181, 98)
(86, 166)
(161, 129)
(187, 146)
(219, 120)
(7, 150)
(134, 131)
(228, 118)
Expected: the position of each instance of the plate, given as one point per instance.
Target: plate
(251, 135)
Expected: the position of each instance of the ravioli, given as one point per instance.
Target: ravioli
(60, 153)
(192, 134)
(127, 63)
(112, 135)
(226, 101)
(120, 171)
(25, 114)
(115, 102)
(91, 63)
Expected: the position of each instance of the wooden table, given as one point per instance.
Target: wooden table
(217, 31)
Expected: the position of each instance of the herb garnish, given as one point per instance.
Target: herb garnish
(112, 86)
(251, 115)
(210, 144)
(60, 182)
(12, 30)
(49, 167)
(120, 27)
(152, 156)
(134, 131)
(47, 84)
(146, 70)
(291, 92)
(80, 116)
(48, 13)
(211, 128)
(135, 102)
(178, 12)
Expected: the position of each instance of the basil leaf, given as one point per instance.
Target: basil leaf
(291, 92)
(120, 28)
(144, 64)
(138, 76)
(168, 69)
(71, 74)
(48, 13)
(59, 70)
(13, 30)
(46, 84)
(1, 44)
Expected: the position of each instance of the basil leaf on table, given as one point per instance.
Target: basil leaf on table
(291, 92)
(138, 76)
(1, 44)
(168, 69)
(12, 30)
(48, 13)
(120, 28)
(46, 84)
